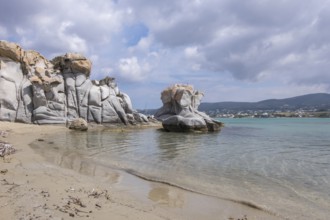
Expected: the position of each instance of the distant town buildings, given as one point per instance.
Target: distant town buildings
(300, 113)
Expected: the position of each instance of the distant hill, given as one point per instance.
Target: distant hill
(318, 101)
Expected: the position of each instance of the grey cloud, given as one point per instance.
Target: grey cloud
(267, 33)
(178, 23)
(56, 27)
(195, 30)
(269, 14)
(257, 51)
(16, 12)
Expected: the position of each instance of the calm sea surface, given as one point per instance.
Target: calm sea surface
(281, 165)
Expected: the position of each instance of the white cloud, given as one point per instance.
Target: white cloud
(73, 42)
(289, 59)
(131, 69)
(194, 58)
(191, 52)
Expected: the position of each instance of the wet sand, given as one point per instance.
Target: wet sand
(33, 187)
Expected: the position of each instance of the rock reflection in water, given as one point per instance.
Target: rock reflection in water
(149, 152)
(172, 145)
(74, 159)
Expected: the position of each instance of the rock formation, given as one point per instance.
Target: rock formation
(78, 124)
(36, 90)
(180, 111)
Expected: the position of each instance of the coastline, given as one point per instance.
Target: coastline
(33, 188)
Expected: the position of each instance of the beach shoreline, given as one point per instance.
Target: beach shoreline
(34, 188)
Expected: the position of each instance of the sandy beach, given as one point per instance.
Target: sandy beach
(31, 187)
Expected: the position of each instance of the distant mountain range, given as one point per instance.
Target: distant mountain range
(318, 101)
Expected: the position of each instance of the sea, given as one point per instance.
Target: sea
(279, 165)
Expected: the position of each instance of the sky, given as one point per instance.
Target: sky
(231, 50)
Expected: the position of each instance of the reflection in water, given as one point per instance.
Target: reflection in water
(64, 156)
(168, 147)
(173, 144)
(147, 151)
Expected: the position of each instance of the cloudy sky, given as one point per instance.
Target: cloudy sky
(232, 50)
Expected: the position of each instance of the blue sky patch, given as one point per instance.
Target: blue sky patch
(133, 33)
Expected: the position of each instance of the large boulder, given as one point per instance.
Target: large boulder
(180, 113)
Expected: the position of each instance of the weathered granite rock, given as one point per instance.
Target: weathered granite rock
(180, 111)
(11, 50)
(10, 80)
(78, 124)
(36, 90)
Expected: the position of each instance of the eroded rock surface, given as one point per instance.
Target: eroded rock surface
(78, 124)
(36, 90)
(180, 110)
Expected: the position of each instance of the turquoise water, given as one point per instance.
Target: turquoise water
(281, 165)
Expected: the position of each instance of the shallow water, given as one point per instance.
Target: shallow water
(278, 165)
